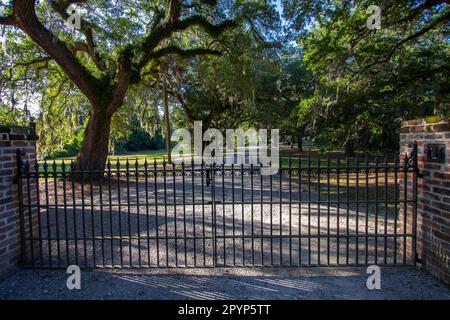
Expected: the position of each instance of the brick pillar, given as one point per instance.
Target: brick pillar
(433, 205)
(12, 138)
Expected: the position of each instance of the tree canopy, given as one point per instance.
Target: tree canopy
(367, 79)
(306, 67)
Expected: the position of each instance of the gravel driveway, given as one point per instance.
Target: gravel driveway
(131, 221)
(291, 284)
(169, 220)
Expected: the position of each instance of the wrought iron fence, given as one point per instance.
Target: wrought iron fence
(313, 212)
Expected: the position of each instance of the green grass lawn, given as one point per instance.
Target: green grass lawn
(139, 156)
(287, 156)
(305, 160)
(132, 157)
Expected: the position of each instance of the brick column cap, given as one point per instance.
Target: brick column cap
(15, 132)
(426, 120)
(430, 124)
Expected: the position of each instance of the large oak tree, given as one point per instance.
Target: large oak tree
(118, 46)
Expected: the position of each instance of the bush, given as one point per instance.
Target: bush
(139, 140)
(70, 149)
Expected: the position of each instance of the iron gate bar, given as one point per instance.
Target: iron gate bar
(347, 217)
(234, 231)
(223, 214)
(281, 220)
(203, 215)
(189, 203)
(367, 213)
(309, 208)
(165, 213)
(328, 209)
(92, 208)
(38, 210)
(405, 219)
(156, 212)
(376, 210)
(138, 208)
(271, 221)
(111, 242)
(61, 232)
(119, 215)
(66, 227)
(286, 236)
(213, 216)
(72, 176)
(299, 209)
(130, 247)
(318, 210)
(193, 212)
(357, 209)
(20, 163)
(146, 208)
(386, 187)
(395, 206)
(262, 217)
(243, 215)
(290, 211)
(175, 214)
(415, 168)
(30, 217)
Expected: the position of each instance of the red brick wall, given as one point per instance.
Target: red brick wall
(12, 138)
(433, 187)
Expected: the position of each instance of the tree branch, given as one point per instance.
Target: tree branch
(421, 32)
(61, 8)
(173, 10)
(165, 30)
(8, 20)
(417, 11)
(185, 53)
(84, 47)
(79, 46)
(32, 62)
(28, 22)
(211, 29)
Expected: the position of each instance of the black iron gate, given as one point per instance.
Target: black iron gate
(314, 211)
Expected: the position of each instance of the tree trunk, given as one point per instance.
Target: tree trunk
(166, 121)
(94, 149)
(299, 138)
(300, 133)
(348, 146)
(300, 142)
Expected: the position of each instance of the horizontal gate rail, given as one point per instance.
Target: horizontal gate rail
(313, 212)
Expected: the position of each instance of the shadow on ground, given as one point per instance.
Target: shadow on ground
(317, 283)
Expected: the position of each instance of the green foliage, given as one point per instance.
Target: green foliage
(366, 80)
(341, 83)
(139, 140)
(62, 121)
(68, 149)
(11, 117)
